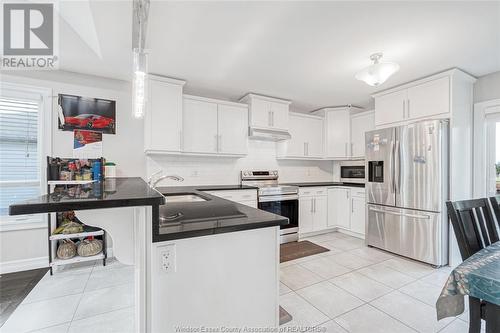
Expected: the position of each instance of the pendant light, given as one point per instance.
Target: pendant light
(378, 72)
(140, 57)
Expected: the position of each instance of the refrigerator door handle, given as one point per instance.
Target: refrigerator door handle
(414, 216)
(397, 167)
(384, 211)
(391, 165)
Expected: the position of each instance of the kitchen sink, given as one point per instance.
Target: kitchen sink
(178, 198)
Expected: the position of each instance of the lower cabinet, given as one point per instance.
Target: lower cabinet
(346, 209)
(339, 209)
(313, 210)
(358, 215)
(244, 197)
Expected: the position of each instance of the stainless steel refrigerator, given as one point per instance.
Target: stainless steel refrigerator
(407, 185)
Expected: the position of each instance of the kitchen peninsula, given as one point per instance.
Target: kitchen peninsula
(192, 255)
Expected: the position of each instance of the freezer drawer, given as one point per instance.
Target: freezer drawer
(415, 234)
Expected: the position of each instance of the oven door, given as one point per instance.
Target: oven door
(287, 206)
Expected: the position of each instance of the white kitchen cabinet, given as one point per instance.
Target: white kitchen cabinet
(430, 97)
(339, 208)
(313, 209)
(337, 129)
(200, 126)
(360, 124)
(214, 127)
(306, 216)
(358, 214)
(267, 112)
(390, 108)
(306, 138)
(244, 197)
(163, 116)
(320, 213)
(233, 129)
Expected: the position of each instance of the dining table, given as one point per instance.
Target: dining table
(477, 277)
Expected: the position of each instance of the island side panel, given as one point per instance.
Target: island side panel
(229, 279)
(143, 224)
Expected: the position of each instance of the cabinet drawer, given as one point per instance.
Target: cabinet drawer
(358, 192)
(235, 195)
(312, 191)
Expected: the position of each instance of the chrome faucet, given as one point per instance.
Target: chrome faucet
(154, 183)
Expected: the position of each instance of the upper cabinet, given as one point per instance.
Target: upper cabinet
(214, 127)
(306, 138)
(163, 118)
(267, 113)
(426, 98)
(337, 132)
(360, 124)
(182, 124)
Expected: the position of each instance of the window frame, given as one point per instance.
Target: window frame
(483, 113)
(44, 96)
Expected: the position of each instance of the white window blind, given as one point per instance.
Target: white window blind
(19, 151)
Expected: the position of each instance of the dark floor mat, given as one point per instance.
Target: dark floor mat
(296, 250)
(285, 317)
(14, 287)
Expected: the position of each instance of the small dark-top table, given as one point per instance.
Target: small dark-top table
(479, 277)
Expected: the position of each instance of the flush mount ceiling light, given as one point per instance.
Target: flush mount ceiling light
(377, 73)
(140, 67)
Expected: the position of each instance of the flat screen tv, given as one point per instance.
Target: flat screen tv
(94, 114)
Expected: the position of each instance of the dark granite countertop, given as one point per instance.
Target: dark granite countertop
(113, 192)
(213, 216)
(311, 184)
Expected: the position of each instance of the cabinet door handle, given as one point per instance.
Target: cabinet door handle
(220, 143)
(312, 205)
(404, 109)
(269, 118)
(352, 205)
(272, 118)
(408, 109)
(181, 140)
(216, 137)
(352, 148)
(346, 195)
(305, 151)
(307, 146)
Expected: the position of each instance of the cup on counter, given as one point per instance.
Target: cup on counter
(109, 170)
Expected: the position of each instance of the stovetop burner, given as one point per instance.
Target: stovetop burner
(267, 182)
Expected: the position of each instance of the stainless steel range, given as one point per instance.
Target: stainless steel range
(277, 199)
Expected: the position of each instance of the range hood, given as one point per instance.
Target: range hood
(265, 134)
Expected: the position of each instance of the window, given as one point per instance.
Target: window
(21, 149)
(493, 153)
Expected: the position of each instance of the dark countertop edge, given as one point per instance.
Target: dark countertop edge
(325, 184)
(82, 205)
(220, 230)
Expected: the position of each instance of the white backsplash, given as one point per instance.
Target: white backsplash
(205, 170)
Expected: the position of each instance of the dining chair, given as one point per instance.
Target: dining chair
(475, 229)
(495, 205)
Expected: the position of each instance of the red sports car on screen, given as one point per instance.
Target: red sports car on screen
(89, 121)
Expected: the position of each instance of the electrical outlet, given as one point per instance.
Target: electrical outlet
(167, 259)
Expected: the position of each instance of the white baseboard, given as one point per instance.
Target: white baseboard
(33, 263)
(23, 265)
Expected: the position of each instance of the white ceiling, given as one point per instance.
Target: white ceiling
(307, 52)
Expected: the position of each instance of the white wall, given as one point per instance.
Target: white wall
(27, 248)
(487, 87)
(226, 171)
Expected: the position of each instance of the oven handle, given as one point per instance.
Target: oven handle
(268, 198)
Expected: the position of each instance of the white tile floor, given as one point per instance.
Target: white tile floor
(351, 288)
(354, 288)
(82, 298)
